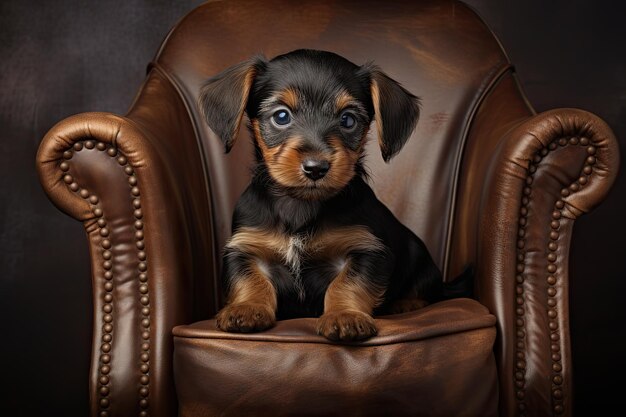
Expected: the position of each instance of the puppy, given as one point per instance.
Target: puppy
(309, 236)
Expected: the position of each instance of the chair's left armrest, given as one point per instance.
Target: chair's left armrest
(545, 172)
(138, 185)
(105, 171)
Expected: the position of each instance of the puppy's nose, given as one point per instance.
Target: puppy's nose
(315, 169)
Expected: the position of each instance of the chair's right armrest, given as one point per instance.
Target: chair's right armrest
(524, 179)
(545, 172)
(137, 185)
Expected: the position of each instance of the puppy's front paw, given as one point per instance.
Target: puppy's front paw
(346, 325)
(245, 318)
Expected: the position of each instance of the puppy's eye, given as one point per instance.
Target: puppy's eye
(281, 117)
(348, 121)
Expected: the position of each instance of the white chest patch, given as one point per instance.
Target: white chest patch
(293, 259)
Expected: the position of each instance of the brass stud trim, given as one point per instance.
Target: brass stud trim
(108, 317)
(520, 364)
(551, 271)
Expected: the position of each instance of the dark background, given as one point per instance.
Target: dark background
(64, 57)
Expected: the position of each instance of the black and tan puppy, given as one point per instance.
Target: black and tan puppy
(310, 238)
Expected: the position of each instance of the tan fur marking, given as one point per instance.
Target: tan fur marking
(245, 92)
(268, 153)
(286, 167)
(283, 161)
(342, 164)
(379, 121)
(272, 246)
(263, 244)
(349, 300)
(345, 293)
(289, 97)
(251, 304)
(339, 242)
(255, 288)
(342, 101)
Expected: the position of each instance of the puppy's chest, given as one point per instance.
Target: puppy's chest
(294, 250)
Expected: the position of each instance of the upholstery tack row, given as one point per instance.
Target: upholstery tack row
(551, 273)
(107, 264)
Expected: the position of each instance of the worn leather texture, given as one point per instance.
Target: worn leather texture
(413, 367)
(483, 180)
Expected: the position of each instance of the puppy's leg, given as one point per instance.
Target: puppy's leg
(251, 305)
(252, 301)
(427, 284)
(348, 305)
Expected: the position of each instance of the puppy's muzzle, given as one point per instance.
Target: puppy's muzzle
(315, 169)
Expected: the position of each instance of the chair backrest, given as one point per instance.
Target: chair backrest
(439, 50)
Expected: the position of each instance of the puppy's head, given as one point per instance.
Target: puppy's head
(309, 113)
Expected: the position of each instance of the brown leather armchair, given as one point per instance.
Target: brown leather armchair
(484, 180)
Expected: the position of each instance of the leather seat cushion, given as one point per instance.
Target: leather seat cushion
(437, 361)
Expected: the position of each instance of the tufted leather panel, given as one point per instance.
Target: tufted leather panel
(414, 367)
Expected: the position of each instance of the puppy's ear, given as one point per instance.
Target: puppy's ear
(396, 111)
(223, 98)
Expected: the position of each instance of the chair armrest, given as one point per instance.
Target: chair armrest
(102, 170)
(545, 172)
(137, 184)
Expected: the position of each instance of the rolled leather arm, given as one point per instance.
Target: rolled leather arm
(105, 171)
(545, 173)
